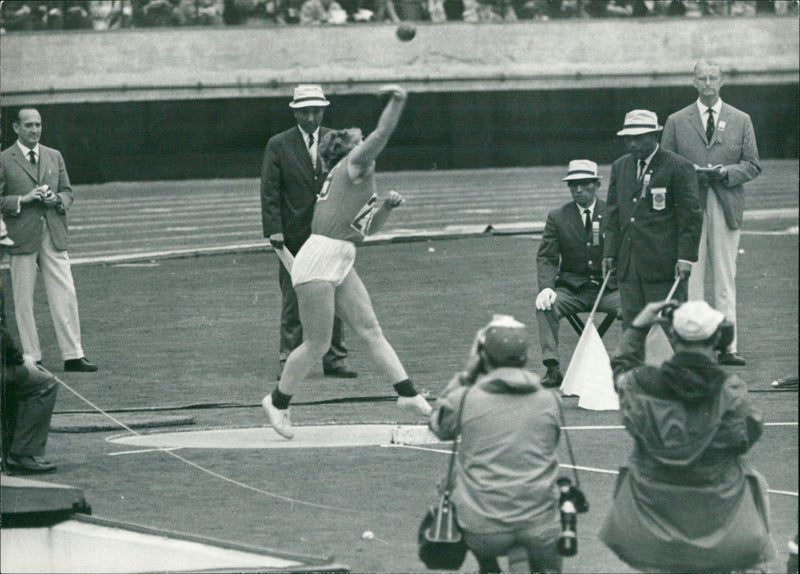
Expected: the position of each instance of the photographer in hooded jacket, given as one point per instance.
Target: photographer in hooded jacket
(505, 492)
(687, 501)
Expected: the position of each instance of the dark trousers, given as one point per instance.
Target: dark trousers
(569, 302)
(29, 395)
(292, 330)
(636, 291)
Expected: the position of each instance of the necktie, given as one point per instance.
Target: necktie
(642, 166)
(587, 223)
(311, 150)
(710, 125)
(32, 155)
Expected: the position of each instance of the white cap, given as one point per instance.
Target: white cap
(581, 169)
(639, 122)
(308, 95)
(696, 320)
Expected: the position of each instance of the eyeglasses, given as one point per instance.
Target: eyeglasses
(707, 78)
(576, 185)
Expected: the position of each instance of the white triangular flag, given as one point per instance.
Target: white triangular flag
(657, 347)
(589, 373)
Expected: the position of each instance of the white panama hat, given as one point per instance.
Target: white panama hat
(638, 122)
(308, 95)
(696, 320)
(581, 169)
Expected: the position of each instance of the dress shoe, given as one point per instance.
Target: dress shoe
(79, 366)
(733, 359)
(553, 378)
(339, 372)
(29, 464)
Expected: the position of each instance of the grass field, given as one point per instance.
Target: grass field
(203, 331)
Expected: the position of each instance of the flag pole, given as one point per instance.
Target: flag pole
(674, 288)
(599, 296)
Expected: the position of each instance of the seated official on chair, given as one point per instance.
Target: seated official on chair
(569, 263)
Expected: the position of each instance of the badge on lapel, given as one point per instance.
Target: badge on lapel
(659, 198)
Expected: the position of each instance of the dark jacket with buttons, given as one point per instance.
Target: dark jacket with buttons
(567, 257)
(289, 187)
(651, 226)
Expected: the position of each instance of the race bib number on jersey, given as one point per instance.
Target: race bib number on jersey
(325, 191)
(363, 220)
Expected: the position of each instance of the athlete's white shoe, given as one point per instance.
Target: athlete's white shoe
(278, 418)
(415, 403)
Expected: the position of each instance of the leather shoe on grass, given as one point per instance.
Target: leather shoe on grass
(733, 359)
(29, 465)
(79, 366)
(339, 372)
(553, 378)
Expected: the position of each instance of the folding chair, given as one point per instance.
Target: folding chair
(578, 324)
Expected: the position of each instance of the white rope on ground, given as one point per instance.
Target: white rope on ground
(584, 468)
(294, 501)
(291, 501)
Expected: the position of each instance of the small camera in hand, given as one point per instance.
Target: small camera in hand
(571, 502)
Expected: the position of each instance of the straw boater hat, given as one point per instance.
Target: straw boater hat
(581, 169)
(639, 122)
(696, 321)
(308, 95)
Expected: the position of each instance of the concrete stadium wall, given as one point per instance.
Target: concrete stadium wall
(201, 103)
(192, 63)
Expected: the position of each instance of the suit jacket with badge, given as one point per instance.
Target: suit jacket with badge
(566, 257)
(733, 145)
(652, 226)
(17, 177)
(289, 187)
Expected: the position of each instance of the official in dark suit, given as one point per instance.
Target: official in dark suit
(721, 143)
(654, 217)
(569, 263)
(291, 177)
(35, 195)
(27, 397)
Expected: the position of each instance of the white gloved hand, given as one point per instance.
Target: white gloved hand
(545, 299)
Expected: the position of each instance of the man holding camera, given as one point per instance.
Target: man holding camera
(35, 195)
(505, 491)
(686, 502)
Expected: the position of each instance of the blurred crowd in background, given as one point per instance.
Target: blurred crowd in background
(22, 15)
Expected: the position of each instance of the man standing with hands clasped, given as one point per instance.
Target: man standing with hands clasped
(291, 177)
(35, 195)
(719, 140)
(653, 218)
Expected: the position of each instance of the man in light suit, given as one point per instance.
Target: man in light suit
(35, 195)
(719, 140)
(654, 218)
(291, 177)
(569, 263)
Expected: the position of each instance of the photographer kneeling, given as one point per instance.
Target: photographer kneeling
(505, 492)
(687, 502)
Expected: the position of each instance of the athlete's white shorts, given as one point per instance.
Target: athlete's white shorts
(323, 259)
